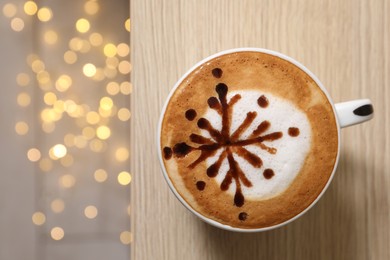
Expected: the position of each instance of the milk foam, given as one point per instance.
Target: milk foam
(291, 151)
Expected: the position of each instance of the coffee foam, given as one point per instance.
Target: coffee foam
(302, 165)
(291, 151)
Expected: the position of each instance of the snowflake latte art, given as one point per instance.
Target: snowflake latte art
(248, 139)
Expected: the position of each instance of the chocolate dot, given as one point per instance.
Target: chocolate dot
(221, 89)
(167, 152)
(263, 101)
(200, 185)
(293, 131)
(243, 216)
(213, 102)
(217, 72)
(268, 173)
(190, 114)
(182, 149)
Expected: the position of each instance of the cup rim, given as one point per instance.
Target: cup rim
(168, 180)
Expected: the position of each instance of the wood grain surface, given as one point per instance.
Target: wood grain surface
(345, 43)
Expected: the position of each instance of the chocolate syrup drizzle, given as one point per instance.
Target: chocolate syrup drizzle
(230, 143)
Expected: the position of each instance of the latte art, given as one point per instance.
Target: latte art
(248, 140)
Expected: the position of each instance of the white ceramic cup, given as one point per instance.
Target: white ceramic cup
(347, 114)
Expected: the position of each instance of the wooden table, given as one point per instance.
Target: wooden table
(345, 43)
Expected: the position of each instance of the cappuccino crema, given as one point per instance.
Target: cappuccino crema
(248, 139)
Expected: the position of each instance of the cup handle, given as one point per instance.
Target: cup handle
(354, 112)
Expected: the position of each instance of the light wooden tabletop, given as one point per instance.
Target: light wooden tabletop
(345, 43)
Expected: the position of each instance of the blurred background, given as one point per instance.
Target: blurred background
(64, 129)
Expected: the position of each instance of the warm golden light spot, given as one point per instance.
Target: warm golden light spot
(126, 88)
(106, 103)
(59, 106)
(99, 75)
(90, 212)
(71, 108)
(124, 178)
(92, 118)
(85, 46)
(30, 7)
(103, 132)
(69, 140)
(122, 154)
(96, 145)
(31, 58)
(112, 88)
(89, 132)
(37, 66)
(9, 10)
(126, 237)
(89, 70)
(21, 128)
(70, 57)
(124, 114)
(38, 218)
(45, 164)
(57, 205)
(49, 115)
(23, 99)
(112, 62)
(75, 44)
(91, 7)
(23, 79)
(110, 72)
(17, 24)
(80, 141)
(109, 50)
(82, 25)
(49, 98)
(123, 49)
(100, 175)
(44, 14)
(33, 154)
(67, 160)
(63, 83)
(106, 113)
(50, 37)
(67, 181)
(59, 151)
(96, 39)
(127, 24)
(43, 77)
(48, 127)
(124, 67)
(57, 233)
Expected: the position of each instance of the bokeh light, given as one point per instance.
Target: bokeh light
(89, 70)
(50, 37)
(67, 181)
(126, 237)
(96, 39)
(124, 178)
(124, 114)
(57, 233)
(124, 67)
(103, 132)
(45, 14)
(23, 99)
(126, 88)
(33, 154)
(23, 79)
(123, 49)
(83, 25)
(38, 218)
(30, 8)
(100, 175)
(109, 50)
(112, 88)
(127, 24)
(122, 154)
(9, 10)
(57, 205)
(91, 7)
(21, 128)
(90, 212)
(17, 24)
(63, 83)
(70, 57)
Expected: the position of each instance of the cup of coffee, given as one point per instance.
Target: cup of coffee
(249, 139)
